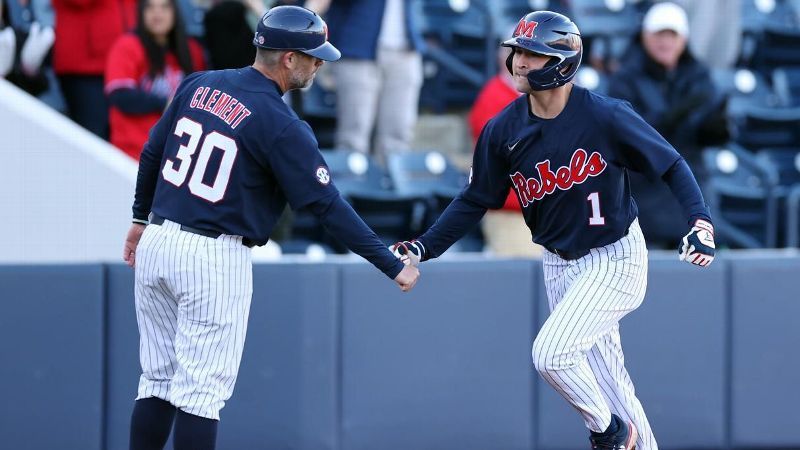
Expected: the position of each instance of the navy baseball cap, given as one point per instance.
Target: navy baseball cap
(295, 28)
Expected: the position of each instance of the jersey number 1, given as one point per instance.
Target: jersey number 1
(214, 140)
(596, 219)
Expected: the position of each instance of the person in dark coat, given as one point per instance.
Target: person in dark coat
(675, 94)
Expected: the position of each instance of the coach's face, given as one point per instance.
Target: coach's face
(523, 62)
(303, 70)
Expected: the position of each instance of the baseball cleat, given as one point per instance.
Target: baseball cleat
(624, 439)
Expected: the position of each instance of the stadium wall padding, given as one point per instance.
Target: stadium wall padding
(337, 358)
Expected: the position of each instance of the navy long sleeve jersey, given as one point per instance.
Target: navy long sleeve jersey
(227, 156)
(569, 173)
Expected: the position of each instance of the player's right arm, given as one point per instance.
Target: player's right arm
(487, 189)
(648, 152)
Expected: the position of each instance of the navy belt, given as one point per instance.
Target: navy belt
(155, 219)
(567, 255)
(570, 256)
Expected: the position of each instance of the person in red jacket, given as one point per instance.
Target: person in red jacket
(85, 31)
(144, 69)
(504, 229)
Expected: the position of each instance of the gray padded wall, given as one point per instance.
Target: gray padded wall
(766, 342)
(286, 394)
(675, 353)
(446, 366)
(51, 347)
(338, 358)
(122, 364)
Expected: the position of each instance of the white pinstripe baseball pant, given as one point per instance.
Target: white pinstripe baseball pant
(193, 298)
(578, 349)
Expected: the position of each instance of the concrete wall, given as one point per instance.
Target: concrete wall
(66, 194)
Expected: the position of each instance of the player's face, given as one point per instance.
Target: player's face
(304, 71)
(665, 47)
(523, 62)
(159, 18)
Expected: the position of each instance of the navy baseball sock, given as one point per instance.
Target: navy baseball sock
(151, 422)
(613, 427)
(194, 432)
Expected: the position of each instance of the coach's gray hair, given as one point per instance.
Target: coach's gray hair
(267, 57)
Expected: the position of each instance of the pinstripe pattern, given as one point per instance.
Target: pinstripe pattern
(578, 350)
(193, 298)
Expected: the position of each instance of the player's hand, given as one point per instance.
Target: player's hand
(407, 277)
(131, 241)
(410, 252)
(697, 247)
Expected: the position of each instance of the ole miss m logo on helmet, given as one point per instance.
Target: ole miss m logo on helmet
(525, 29)
(581, 166)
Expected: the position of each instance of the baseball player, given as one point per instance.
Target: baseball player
(566, 152)
(214, 177)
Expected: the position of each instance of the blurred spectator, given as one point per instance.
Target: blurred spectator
(504, 229)
(674, 93)
(379, 76)
(229, 32)
(85, 31)
(23, 49)
(229, 27)
(144, 70)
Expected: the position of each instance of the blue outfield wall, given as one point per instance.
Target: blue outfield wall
(337, 358)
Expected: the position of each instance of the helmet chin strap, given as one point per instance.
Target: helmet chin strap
(548, 77)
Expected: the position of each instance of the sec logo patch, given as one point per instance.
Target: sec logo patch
(323, 176)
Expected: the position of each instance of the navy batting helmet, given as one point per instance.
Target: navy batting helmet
(295, 28)
(550, 34)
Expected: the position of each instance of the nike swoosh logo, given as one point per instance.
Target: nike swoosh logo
(512, 147)
(618, 258)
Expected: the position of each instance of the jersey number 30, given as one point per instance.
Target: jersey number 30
(214, 140)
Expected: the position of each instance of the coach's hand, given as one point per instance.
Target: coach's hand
(407, 278)
(697, 247)
(129, 250)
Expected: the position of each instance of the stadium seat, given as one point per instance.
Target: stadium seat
(784, 165)
(744, 89)
(739, 190)
(424, 172)
(431, 175)
(786, 83)
(607, 28)
(459, 53)
(507, 13)
(391, 214)
(777, 46)
(355, 172)
(589, 78)
(761, 127)
(757, 16)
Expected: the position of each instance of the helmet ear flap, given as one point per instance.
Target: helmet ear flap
(509, 61)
